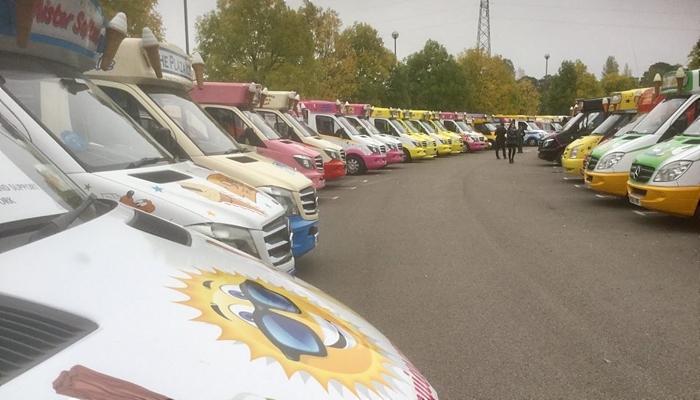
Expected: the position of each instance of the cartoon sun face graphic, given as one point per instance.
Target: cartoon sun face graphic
(276, 323)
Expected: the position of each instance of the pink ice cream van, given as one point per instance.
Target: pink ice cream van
(362, 151)
(232, 106)
(456, 122)
(358, 115)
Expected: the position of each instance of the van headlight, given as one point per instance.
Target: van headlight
(415, 144)
(334, 155)
(672, 171)
(574, 152)
(304, 161)
(547, 142)
(284, 197)
(609, 161)
(234, 236)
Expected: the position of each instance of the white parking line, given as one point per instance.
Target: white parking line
(645, 213)
(580, 186)
(604, 196)
(572, 178)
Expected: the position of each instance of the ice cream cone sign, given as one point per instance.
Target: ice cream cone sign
(657, 86)
(150, 45)
(606, 104)
(252, 91)
(114, 35)
(198, 66)
(263, 96)
(680, 79)
(24, 16)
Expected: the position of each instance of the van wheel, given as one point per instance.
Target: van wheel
(355, 164)
(407, 156)
(532, 142)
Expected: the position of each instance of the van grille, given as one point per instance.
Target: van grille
(342, 155)
(641, 173)
(592, 162)
(319, 162)
(278, 241)
(31, 333)
(424, 144)
(382, 150)
(309, 201)
(399, 146)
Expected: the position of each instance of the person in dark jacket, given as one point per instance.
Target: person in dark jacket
(521, 136)
(512, 139)
(501, 139)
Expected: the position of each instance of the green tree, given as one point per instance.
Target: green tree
(694, 56)
(436, 80)
(656, 68)
(627, 71)
(587, 86)
(611, 66)
(373, 62)
(397, 91)
(255, 40)
(139, 14)
(615, 82)
(490, 85)
(528, 97)
(562, 89)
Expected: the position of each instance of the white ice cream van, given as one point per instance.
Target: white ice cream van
(102, 301)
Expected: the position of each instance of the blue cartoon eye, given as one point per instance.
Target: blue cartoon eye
(244, 313)
(233, 291)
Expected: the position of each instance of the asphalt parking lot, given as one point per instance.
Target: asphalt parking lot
(510, 281)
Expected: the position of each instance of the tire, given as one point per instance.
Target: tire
(355, 165)
(407, 155)
(557, 159)
(532, 142)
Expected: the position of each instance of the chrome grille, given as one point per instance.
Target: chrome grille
(309, 201)
(399, 146)
(424, 143)
(319, 162)
(434, 144)
(278, 241)
(342, 155)
(382, 150)
(641, 173)
(481, 138)
(449, 141)
(592, 162)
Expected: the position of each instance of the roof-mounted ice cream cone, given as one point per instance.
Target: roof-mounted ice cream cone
(657, 86)
(114, 35)
(198, 67)
(252, 91)
(680, 79)
(290, 100)
(263, 96)
(24, 17)
(150, 45)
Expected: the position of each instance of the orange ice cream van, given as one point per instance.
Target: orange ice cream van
(232, 106)
(280, 111)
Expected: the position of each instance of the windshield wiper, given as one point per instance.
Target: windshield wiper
(145, 161)
(63, 221)
(231, 151)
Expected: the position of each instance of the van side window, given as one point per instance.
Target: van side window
(325, 125)
(127, 102)
(279, 125)
(382, 126)
(234, 126)
(450, 125)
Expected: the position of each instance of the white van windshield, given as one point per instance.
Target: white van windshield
(82, 118)
(373, 130)
(660, 114)
(259, 123)
(612, 124)
(399, 126)
(428, 126)
(464, 126)
(196, 123)
(301, 126)
(349, 127)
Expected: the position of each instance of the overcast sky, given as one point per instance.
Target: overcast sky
(636, 32)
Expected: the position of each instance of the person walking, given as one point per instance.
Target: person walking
(512, 139)
(501, 139)
(521, 136)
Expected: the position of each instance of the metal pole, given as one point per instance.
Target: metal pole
(187, 35)
(395, 35)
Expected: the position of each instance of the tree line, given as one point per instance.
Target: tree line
(305, 50)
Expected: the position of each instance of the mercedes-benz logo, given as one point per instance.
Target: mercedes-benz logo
(634, 173)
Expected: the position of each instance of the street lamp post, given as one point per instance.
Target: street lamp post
(395, 35)
(187, 35)
(546, 64)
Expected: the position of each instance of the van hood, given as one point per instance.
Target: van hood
(261, 171)
(185, 194)
(155, 319)
(618, 143)
(321, 143)
(681, 147)
(290, 147)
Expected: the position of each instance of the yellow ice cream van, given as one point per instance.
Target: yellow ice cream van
(484, 124)
(418, 120)
(155, 93)
(385, 120)
(622, 107)
(431, 145)
(455, 139)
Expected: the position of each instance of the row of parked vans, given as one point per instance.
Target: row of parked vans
(643, 144)
(145, 249)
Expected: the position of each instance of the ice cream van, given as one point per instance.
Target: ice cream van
(456, 122)
(163, 106)
(418, 120)
(608, 168)
(357, 115)
(280, 111)
(385, 122)
(361, 151)
(622, 108)
(101, 149)
(232, 104)
(431, 144)
(102, 301)
(483, 124)
(454, 139)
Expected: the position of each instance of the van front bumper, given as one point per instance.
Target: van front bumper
(304, 235)
(394, 157)
(334, 169)
(681, 201)
(416, 153)
(572, 165)
(614, 184)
